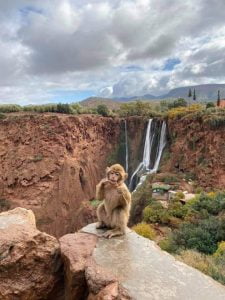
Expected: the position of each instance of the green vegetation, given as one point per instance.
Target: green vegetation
(145, 230)
(137, 108)
(103, 110)
(197, 230)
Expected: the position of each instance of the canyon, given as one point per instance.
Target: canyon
(51, 163)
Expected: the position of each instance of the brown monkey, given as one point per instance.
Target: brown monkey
(113, 212)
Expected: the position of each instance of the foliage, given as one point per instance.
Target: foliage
(103, 110)
(137, 108)
(210, 104)
(204, 263)
(220, 250)
(145, 230)
(179, 112)
(180, 102)
(64, 108)
(8, 108)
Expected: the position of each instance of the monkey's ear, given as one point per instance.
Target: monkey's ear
(125, 176)
(107, 170)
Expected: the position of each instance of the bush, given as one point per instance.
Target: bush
(203, 236)
(168, 245)
(137, 108)
(180, 102)
(64, 108)
(103, 110)
(182, 111)
(153, 212)
(220, 250)
(210, 105)
(145, 230)
(204, 263)
(8, 108)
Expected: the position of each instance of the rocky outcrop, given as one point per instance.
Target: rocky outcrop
(197, 149)
(147, 272)
(29, 259)
(84, 279)
(50, 163)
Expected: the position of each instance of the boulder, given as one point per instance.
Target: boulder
(29, 259)
(84, 279)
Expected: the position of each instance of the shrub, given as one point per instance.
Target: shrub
(8, 108)
(203, 236)
(137, 108)
(204, 263)
(145, 230)
(182, 111)
(168, 245)
(212, 206)
(180, 195)
(180, 102)
(220, 250)
(103, 110)
(153, 212)
(64, 108)
(210, 105)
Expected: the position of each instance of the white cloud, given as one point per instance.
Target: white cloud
(87, 45)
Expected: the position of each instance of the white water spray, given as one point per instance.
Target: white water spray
(144, 167)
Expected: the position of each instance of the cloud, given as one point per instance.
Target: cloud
(118, 48)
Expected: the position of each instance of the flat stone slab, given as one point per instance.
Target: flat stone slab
(149, 273)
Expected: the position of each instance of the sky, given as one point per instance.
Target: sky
(68, 50)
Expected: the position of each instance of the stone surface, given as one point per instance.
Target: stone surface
(83, 277)
(76, 251)
(149, 273)
(29, 259)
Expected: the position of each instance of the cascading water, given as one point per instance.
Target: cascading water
(126, 143)
(154, 140)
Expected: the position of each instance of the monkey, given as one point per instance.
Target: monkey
(113, 213)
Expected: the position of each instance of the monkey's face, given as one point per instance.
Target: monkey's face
(114, 177)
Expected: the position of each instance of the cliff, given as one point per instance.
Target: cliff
(197, 149)
(51, 164)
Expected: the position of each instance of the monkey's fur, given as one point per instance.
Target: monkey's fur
(113, 213)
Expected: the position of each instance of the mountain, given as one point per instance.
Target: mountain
(204, 92)
(93, 102)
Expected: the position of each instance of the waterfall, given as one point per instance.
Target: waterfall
(126, 143)
(150, 161)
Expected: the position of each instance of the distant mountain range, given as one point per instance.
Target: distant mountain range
(204, 92)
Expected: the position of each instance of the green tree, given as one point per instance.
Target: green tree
(194, 96)
(103, 110)
(189, 93)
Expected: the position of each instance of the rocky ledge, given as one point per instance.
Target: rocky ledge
(85, 266)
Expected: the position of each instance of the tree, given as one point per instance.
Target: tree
(103, 110)
(189, 93)
(194, 96)
(218, 98)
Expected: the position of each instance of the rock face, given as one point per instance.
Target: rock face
(84, 279)
(147, 272)
(29, 259)
(52, 163)
(198, 149)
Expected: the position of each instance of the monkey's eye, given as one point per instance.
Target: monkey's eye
(117, 174)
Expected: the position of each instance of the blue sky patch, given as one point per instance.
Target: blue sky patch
(69, 96)
(171, 63)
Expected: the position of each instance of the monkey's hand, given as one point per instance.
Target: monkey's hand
(100, 189)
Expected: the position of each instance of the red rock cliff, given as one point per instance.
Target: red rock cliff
(198, 149)
(51, 164)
